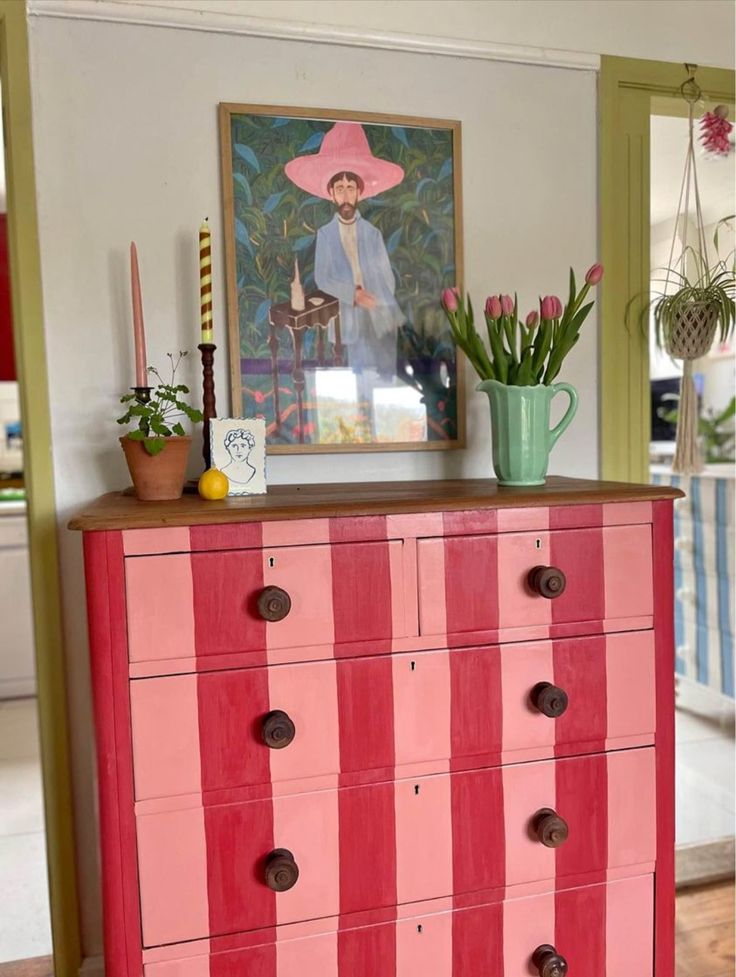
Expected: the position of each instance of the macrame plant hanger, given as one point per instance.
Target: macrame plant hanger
(691, 336)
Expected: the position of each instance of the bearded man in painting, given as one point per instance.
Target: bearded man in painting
(351, 261)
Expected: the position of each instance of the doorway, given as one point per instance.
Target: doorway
(25, 924)
(643, 143)
(38, 486)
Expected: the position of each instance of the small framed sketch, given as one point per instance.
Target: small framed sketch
(238, 449)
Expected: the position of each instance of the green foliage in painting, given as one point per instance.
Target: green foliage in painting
(276, 222)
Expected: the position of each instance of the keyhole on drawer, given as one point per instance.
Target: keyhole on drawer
(416, 788)
(413, 666)
(271, 561)
(419, 928)
(538, 544)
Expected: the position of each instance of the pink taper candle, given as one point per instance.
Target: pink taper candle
(139, 335)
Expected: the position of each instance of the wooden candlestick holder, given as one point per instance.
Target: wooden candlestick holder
(209, 410)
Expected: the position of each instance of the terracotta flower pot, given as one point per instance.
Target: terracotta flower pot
(157, 478)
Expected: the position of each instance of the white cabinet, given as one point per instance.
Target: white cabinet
(17, 667)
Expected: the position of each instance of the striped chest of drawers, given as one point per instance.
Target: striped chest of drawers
(411, 730)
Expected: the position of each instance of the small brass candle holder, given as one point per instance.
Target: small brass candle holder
(142, 394)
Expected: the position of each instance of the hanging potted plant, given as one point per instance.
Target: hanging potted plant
(686, 320)
(685, 323)
(517, 370)
(157, 449)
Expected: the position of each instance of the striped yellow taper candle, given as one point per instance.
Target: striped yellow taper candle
(205, 280)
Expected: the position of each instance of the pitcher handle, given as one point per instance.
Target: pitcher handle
(569, 413)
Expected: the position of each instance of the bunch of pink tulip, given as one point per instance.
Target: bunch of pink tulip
(521, 353)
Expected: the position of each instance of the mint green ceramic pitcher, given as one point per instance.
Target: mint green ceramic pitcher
(522, 439)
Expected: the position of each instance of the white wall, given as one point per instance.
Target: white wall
(126, 147)
(684, 30)
(716, 181)
(699, 31)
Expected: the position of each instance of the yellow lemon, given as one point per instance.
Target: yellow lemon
(213, 484)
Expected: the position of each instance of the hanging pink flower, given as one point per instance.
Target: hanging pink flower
(532, 319)
(715, 130)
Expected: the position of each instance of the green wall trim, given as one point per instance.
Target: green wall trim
(30, 352)
(625, 91)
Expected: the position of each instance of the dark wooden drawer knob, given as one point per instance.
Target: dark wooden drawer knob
(550, 828)
(548, 582)
(277, 729)
(549, 699)
(548, 962)
(273, 604)
(281, 870)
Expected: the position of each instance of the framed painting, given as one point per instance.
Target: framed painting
(341, 230)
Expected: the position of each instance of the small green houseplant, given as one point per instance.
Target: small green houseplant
(157, 448)
(517, 368)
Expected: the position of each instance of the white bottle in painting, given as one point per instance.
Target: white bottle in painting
(297, 291)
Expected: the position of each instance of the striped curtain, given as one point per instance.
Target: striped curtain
(704, 579)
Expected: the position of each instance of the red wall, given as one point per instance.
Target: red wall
(7, 359)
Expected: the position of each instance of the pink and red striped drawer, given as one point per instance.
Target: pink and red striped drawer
(202, 870)
(481, 583)
(205, 604)
(203, 732)
(363, 597)
(599, 931)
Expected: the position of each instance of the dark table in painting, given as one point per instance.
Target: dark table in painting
(319, 309)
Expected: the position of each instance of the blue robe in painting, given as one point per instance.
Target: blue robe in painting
(369, 334)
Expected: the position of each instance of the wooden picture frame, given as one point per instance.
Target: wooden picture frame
(327, 375)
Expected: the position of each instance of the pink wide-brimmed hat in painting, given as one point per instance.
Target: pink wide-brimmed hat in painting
(344, 149)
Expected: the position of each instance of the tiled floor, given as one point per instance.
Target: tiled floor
(25, 929)
(704, 779)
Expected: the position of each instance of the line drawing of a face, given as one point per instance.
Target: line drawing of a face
(239, 444)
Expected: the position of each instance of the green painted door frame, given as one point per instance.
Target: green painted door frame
(628, 91)
(30, 353)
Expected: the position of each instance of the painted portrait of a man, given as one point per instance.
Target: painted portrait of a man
(351, 260)
(340, 235)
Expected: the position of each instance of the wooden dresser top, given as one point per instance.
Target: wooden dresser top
(118, 510)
